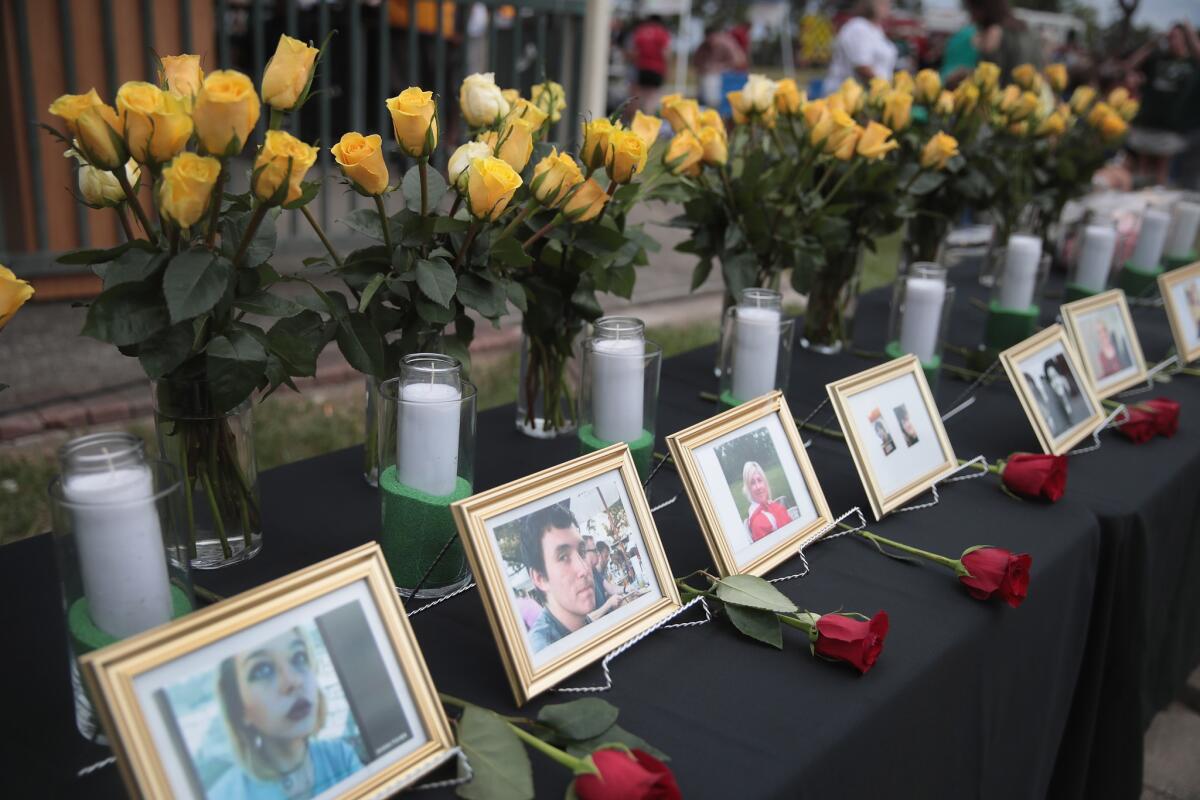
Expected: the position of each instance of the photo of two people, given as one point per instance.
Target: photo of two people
(903, 420)
(1055, 387)
(573, 562)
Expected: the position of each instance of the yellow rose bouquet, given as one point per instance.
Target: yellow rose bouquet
(196, 262)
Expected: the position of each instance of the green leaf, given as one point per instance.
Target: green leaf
(436, 279)
(621, 280)
(364, 221)
(508, 252)
(261, 247)
(269, 305)
(361, 344)
(298, 341)
(757, 624)
(488, 298)
(585, 300)
(433, 313)
(497, 756)
(308, 192)
(450, 225)
(616, 735)
(410, 187)
(126, 314)
(579, 720)
(100, 256)
(135, 264)
(516, 295)
(372, 287)
(701, 272)
(753, 592)
(194, 282)
(166, 350)
(236, 363)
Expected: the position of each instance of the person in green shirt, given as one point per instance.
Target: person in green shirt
(960, 55)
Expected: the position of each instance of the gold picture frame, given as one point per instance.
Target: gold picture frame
(1055, 443)
(712, 510)
(1167, 283)
(1074, 316)
(150, 751)
(882, 495)
(531, 671)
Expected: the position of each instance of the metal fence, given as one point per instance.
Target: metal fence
(377, 48)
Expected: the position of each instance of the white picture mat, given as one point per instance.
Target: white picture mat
(146, 684)
(613, 486)
(733, 527)
(905, 464)
(1090, 343)
(1189, 325)
(1033, 365)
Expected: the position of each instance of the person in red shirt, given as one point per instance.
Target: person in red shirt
(648, 51)
(766, 515)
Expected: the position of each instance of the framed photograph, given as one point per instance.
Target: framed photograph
(751, 485)
(894, 432)
(1044, 370)
(311, 686)
(1103, 334)
(1180, 289)
(568, 564)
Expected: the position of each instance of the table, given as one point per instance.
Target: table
(968, 698)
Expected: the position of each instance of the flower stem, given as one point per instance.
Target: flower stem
(521, 216)
(276, 119)
(952, 563)
(472, 232)
(542, 231)
(260, 211)
(423, 171)
(134, 203)
(383, 223)
(576, 765)
(842, 180)
(316, 226)
(214, 202)
(121, 215)
(215, 509)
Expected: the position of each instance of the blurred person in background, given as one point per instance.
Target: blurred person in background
(862, 50)
(959, 56)
(648, 46)
(717, 54)
(1002, 38)
(1168, 121)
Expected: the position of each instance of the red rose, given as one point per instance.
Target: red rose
(1142, 425)
(1036, 475)
(855, 641)
(994, 570)
(1166, 415)
(627, 776)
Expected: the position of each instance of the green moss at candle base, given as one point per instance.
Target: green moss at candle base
(416, 526)
(87, 636)
(1006, 327)
(641, 448)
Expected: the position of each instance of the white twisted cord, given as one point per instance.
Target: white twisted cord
(1150, 373)
(1109, 422)
(433, 603)
(89, 769)
(812, 413)
(466, 773)
(936, 497)
(862, 523)
(663, 505)
(608, 658)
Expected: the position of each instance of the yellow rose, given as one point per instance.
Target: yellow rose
(460, 161)
(903, 82)
(843, 129)
(681, 112)
(711, 118)
(836, 102)
(1118, 96)
(929, 86)
(586, 202)
(1026, 76)
(851, 92)
(820, 123)
(897, 110)
(13, 294)
(768, 117)
(550, 98)
(1056, 75)
(788, 97)
(738, 105)
(966, 96)
(1112, 127)
(514, 143)
(414, 121)
(554, 177)
(481, 101)
(1128, 110)
(491, 183)
(226, 112)
(511, 96)
(361, 160)
(987, 75)
(187, 187)
(647, 127)
(1006, 101)
(594, 151)
(523, 109)
(1053, 125)
(847, 143)
(627, 156)
(100, 188)
(288, 73)
(715, 145)
(944, 104)
(1019, 128)
(1082, 98)
(684, 154)
(940, 148)
(877, 90)
(70, 106)
(1024, 107)
(812, 111)
(98, 133)
(157, 125)
(283, 159)
(875, 142)
(182, 74)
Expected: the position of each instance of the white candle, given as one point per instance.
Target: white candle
(756, 351)
(1020, 272)
(427, 445)
(1151, 238)
(121, 556)
(923, 300)
(1095, 257)
(618, 388)
(1184, 225)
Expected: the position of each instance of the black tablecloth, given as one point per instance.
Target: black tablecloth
(968, 698)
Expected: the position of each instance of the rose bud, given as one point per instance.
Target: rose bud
(288, 73)
(183, 74)
(361, 160)
(491, 183)
(186, 188)
(1142, 425)
(1036, 475)
(283, 159)
(855, 641)
(414, 121)
(633, 775)
(481, 101)
(1166, 415)
(994, 570)
(226, 111)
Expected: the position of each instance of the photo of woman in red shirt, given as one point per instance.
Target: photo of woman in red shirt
(766, 515)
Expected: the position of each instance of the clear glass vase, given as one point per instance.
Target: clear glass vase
(214, 452)
(548, 386)
(832, 295)
(371, 442)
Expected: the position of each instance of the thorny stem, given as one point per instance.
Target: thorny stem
(316, 226)
(383, 223)
(260, 211)
(134, 203)
(214, 202)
